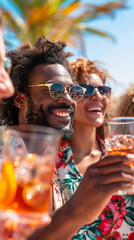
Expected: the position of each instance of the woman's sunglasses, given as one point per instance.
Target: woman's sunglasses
(103, 90)
(57, 90)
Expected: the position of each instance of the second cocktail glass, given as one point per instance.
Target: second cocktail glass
(119, 138)
(26, 173)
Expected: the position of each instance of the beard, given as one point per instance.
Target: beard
(40, 117)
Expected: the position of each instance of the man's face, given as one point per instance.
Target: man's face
(6, 86)
(42, 109)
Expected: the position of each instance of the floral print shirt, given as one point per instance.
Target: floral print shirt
(117, 219)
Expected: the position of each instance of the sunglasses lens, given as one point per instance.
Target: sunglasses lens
(106, 91)
(57, 90)
(76, 93)
(89, 91)
(103, 90)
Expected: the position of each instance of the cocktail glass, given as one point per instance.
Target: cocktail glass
(119, 138)
(26, 173)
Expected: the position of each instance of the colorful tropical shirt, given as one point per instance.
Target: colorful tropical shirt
(116, 222)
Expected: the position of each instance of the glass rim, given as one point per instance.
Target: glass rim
(31, 128)
(120, 120)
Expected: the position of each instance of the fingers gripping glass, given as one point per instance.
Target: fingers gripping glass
(103, 90)
(57, 90)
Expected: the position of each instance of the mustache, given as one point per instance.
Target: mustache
(41, 116)
(62, 106)
(34, 115)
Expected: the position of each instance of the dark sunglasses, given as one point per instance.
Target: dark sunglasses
(57, 90)
(103, 90)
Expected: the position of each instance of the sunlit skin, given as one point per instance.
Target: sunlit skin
(57, 112)
(90, 113)
(40, 96)
(101, 179)
(6, 86)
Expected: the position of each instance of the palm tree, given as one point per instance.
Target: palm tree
(57, 19)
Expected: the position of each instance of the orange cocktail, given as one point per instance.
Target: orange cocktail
(26, 173)
(119, 138)
(25, 187)
(120, 144)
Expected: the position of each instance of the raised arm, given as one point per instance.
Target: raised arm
(99, 183)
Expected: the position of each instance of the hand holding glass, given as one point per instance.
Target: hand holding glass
(119, 138)
(26, 173)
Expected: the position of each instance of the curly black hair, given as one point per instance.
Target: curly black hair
(84, 67)
(24, 59)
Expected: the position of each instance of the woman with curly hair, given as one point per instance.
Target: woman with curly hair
(86, 150)
(83, 68)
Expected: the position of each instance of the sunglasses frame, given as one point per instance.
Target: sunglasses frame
(65, 89)
(95, 87)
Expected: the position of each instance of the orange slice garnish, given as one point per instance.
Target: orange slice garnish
(8, 183)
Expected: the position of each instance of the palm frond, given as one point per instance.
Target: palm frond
(59, 19)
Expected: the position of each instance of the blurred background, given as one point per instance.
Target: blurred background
(95, 29)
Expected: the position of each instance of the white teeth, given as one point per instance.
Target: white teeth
(94, 109)
(66, 114)
(62, 114)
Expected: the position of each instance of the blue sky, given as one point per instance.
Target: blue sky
(117, 55)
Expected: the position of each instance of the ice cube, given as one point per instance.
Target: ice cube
(23, 174)
(35, 195)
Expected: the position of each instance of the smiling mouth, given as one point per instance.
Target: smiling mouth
(61, 113)
(97, 109)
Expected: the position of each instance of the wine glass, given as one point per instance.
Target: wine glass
(26, 173)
